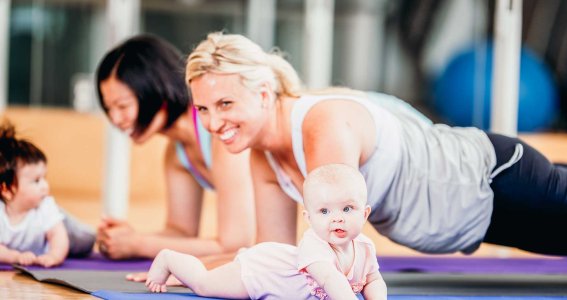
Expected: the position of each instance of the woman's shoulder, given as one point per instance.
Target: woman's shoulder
(328, 103)
(171, 151)
(170, 146)
(329, 114)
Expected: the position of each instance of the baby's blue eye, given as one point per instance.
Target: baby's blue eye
(347, 209)
(324, 211)
(226, 104)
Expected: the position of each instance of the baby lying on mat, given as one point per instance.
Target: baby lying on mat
(33, 229)
(333, 260)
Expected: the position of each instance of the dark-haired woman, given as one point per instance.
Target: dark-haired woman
(141, 88)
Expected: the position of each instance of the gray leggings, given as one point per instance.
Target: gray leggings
(81, 236)
(530, 201)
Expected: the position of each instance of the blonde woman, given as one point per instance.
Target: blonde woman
(433, 188)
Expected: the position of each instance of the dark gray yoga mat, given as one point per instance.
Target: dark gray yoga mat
(89, 281)
(475, 284)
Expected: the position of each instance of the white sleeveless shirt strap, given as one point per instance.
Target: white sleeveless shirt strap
(298, 113)
(283, 179)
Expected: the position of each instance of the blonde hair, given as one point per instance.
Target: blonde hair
(339, 176)
(235, 54)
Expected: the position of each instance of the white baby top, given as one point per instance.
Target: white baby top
(30, 233)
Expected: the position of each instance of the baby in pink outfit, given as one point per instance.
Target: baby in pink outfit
(333, 260)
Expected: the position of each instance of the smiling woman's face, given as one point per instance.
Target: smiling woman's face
(231, 112)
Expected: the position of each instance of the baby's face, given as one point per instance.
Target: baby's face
(336, 215)
(32, 185)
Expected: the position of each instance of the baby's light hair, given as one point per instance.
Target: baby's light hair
(338, 176)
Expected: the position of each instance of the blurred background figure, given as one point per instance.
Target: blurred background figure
(435, 53)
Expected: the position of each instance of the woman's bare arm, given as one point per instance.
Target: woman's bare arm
(235, 198)
(276, 213)
(236, 212)
(348, 135)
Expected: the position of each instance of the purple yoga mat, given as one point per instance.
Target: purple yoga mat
(420, 264)
(473, 265)
(95, 262)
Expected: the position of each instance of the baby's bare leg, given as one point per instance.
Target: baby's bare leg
(223, 282)
(159, 272)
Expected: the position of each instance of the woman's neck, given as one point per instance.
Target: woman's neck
(277, 135)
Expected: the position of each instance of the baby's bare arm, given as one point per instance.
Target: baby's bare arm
(11, 256)
(58, 247)
(8, 255)
(375, 287)
(331, 280)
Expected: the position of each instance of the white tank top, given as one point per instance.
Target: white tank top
(428, 185)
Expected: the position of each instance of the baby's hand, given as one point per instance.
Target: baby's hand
(143, 276)
(158, 274)
(155, 287)
(47, 261)
(26, 258)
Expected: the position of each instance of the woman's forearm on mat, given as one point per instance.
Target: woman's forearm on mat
(149, 245)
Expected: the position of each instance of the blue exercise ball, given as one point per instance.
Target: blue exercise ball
(462, 97)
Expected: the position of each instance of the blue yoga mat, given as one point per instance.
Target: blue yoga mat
(167, 296)
(135, 296)
(124, 296)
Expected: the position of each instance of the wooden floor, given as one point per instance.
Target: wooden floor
(149, 215)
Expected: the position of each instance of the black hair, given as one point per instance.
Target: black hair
(15, 152)
(154, 70)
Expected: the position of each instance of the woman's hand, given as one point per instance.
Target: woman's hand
(116, 239)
